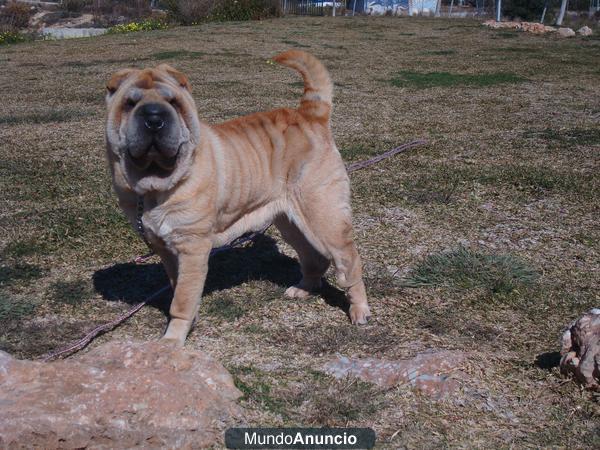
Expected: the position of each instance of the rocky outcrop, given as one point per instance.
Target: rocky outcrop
(529, 27)
(536, 28)
(118, 395)
(580, 352)
(428, 372)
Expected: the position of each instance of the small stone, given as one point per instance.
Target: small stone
(585, 31)
(120, 395)
(428, 372)
(566, 32)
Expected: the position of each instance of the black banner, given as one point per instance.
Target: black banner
(299, 438)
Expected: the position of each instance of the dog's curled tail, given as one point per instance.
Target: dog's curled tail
(318, 88)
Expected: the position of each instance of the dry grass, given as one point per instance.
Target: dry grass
(510, 172)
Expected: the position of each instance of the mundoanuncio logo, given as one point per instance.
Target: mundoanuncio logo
(299, 438)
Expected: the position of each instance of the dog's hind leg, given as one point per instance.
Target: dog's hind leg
(312, 263)
(326, 221)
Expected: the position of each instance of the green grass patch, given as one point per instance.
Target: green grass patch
(47, 116)
(70, 292)
(98, 62)
(569, 136)
(447, 79)
(588, 238)
(256, 389)
(527, 50)
(336, 47)
(505, 35)
(24, 247)
(18, 272)
(294, 43)
(539, 179)
(254, 329)
(12, 309)
(176, 54)
(443, 182)
(463, 268)
(337, 402)
(431, 183)
(80, 228)
(66, 229)
(441, 52)
(224, 308)
(54, 179)
(437, 187)
(359, 150)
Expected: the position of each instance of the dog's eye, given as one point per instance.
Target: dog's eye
(174, 102)
(130, 103)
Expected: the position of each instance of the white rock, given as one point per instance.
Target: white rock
(70, 33)
(585, 31)
(566, 32)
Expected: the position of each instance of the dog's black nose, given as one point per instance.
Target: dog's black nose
(154, 115)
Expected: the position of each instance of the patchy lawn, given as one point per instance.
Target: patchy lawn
(485, 241)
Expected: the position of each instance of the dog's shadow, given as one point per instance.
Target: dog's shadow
(131, 283)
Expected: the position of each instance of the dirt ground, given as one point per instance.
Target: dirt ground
(483, 241)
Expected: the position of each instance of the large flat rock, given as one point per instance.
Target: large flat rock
(428, 372)
(118, 395)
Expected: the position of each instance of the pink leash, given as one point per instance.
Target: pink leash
(249, 237)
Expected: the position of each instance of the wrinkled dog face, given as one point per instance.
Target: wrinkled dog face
(152, 126)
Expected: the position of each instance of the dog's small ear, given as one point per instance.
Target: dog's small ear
(117, 79)
(177, 75)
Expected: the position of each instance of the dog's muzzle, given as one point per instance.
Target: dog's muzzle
(156, 140)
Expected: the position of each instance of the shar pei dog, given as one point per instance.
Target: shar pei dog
(189, 186)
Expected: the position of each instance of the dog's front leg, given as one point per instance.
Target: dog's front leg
(192, 265)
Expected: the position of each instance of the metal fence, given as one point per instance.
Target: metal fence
(304, 7)
(457, 8)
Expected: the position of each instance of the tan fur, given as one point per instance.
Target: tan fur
(280, 166)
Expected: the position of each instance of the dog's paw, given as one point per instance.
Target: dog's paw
(359, 314)
(177, 331)
(297, 292)
(305, 288)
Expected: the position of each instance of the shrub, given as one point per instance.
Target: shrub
(15, 15)
(132, 9)
(531, 10)
(11, 37)
(74, 6)
(191, 12)
(246, 10)
(145, 25)
(107, 12)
